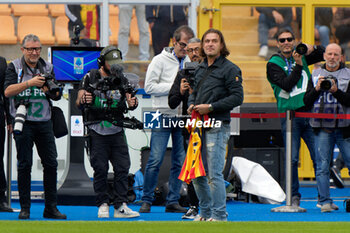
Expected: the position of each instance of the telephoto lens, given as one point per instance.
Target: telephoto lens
(20, 119)
(301, 49)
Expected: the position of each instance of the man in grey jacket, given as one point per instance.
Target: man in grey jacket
(159, 78)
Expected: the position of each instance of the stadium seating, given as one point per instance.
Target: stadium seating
(113, 10)
(5, 9)
(61, 30)
(114, 27)
(7, 32)
(29, 9)
(38, 25)
(56, 10)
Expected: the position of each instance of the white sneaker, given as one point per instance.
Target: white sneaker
(125, 212)
(198, 218)
(103, 211)
(263, 51)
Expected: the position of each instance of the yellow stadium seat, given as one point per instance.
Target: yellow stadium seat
(134, 34)
(61, 30)
(114, 27)
(5, 9)
(113, 10)
(29, 9)
(7, 32)
(37, 25)
(56, 10)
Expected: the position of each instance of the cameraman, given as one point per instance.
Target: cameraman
(288, 74)
(328, 92)
(24, 83)
(179, 92)
(107, 141)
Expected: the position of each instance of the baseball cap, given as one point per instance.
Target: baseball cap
(112, 55)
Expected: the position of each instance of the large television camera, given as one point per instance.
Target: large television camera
(108, 109)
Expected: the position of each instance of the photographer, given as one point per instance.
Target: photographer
(288, 74)
(179, 92)
(25, 84)
(100, 90)
(328, 92)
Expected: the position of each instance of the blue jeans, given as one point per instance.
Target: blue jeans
(300, 129)
(324, 34)
(211, 189)
(159, 142)
(325, 142)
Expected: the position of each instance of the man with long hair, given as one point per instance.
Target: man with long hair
(218, 89)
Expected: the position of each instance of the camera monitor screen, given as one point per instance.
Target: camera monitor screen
(70, 64)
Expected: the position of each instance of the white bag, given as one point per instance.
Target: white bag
(256, 180)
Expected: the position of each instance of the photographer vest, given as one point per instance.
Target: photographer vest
(95, 113)
(326, 103)
(38, 106)
(294, 99)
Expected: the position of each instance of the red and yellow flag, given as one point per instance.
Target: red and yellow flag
(193, 164)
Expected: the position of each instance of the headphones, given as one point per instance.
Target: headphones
(101, 58)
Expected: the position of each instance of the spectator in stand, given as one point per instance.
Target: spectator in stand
(163, 21)
(87, 17)
(125, 14)
(323, 21)
(270, 20)
(341, 23)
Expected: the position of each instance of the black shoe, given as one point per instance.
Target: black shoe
(4, 207)
(145, 208)
(191, 213)
(175, 208)
(335, 175)
(24, 214)
(52, 212)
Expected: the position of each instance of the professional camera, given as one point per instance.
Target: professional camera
(76, 32)
(301, 49)
(20, 117)
(50, 83)
(188, 70)
(326, 84)
(110, 111)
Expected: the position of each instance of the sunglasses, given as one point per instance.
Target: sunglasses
(182, 44)
(289, 39)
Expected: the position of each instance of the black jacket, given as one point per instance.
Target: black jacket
(222, 88)
(175, 98)
(4, 102)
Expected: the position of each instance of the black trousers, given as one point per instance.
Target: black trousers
(111, 148)
(162, 32)
(41, 134)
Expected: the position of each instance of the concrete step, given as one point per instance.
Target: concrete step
(236, 11)
(246, 49)
(251, 98)
(257, 86)
(250, 36)
(238, 58)
(239, 23)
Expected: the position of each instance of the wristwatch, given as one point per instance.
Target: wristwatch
(211, 108)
